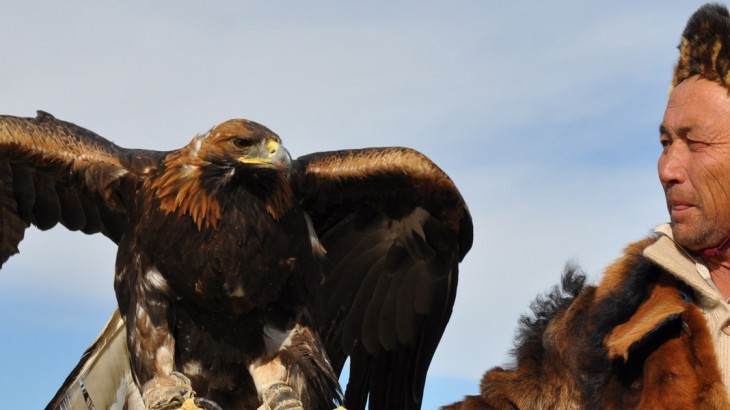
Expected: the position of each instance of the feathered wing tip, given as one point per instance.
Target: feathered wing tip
(103, 378)
(705, 46)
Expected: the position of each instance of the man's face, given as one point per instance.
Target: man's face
(694, 167)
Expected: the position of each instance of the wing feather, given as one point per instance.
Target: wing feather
(54, 171)
(355, 308)
(388, 319)
(406, 315)
(12, 225)
(72, 211)
(371, 336)
(46, 208)
(394, 227)
(23, 188)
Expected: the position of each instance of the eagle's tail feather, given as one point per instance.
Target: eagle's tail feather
(107, 356)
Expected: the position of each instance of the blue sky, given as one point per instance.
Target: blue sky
(544, 115)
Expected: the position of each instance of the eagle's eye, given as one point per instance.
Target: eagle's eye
(241, 143)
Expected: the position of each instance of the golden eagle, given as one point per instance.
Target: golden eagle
(244, 276)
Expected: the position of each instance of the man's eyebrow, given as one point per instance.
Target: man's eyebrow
(683, 131)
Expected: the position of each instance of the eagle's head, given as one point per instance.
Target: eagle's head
(234, 154)
(241, 145)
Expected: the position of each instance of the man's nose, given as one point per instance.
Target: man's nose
(671, 167)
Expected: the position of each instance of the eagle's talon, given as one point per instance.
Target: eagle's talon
(279, 396)
(206, 404)
(168, 393)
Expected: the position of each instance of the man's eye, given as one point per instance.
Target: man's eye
(696, 145)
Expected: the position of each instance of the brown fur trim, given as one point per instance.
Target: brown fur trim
(471, 403)
(682, 372)
(663, 303)
(713, 393)
(547, 362)
(615, 274)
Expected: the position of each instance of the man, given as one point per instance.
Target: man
(655, 333)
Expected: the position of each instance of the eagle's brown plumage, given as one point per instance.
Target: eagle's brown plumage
(221, 273)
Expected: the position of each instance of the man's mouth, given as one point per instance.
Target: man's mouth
(677, 207)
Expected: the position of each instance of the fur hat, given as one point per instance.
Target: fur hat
(705, 46)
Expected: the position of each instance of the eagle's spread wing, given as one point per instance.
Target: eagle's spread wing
(394, 227)
(53, 171)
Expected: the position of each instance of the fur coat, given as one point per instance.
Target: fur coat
(635, 341)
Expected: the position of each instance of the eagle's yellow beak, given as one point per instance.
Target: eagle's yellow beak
(269, 155)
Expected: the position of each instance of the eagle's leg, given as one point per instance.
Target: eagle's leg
(295, 361)
(270, 380)
(151, 345)
(271, 376)
(152, 350)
